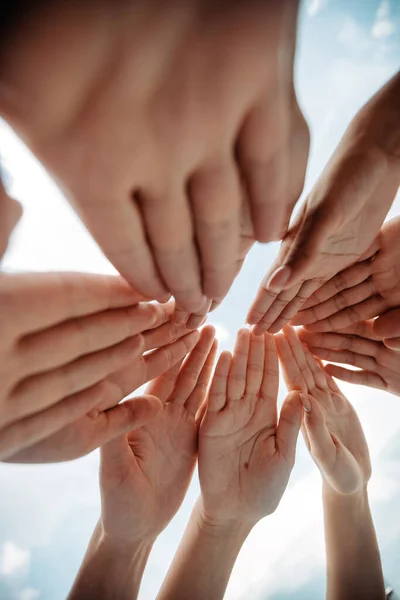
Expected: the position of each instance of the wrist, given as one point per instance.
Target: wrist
(358, 499)
(122, 547)
(232, 529)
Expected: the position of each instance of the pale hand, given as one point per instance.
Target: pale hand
(144, 475)
(103, 418)
(246, 450)
(358, 346)
(331, 428)
(153, 118)
(342, 215)
(364, 290)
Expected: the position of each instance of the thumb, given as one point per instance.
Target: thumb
(126, 417)
(289, 426)
(322, 447)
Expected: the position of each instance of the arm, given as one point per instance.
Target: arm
(354, 568)
(245, 459)
(336, 442)
(203, 547)
(123, 564)
(144, 477)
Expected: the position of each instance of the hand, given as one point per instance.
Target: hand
(107, 418)
(365, 290)
(144, 476)
(358, 345)
(331, 428)
(245, 453)
(341, 217)
(152, 143)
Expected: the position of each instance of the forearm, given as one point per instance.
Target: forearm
(354, 567)
(204, 560)
(110, 569)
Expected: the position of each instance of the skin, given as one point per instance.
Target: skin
(367, 289)
(377, 366)
(342, 215)
(336, 442)
(155, 149)
(106, 418)
(246, 454)
(144, 476)
(10, 214)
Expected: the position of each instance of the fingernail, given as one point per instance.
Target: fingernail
(305, 402)
(278, 279)
(392, 343)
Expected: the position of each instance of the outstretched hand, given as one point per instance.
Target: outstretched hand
(144, 475)
(66, 432)
(367, 289)
(331, 428)
(246, 450)
(342, 215)
(154, 147)
(358, 346)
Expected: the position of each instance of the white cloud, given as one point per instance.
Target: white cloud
(315, 6)
(29, 594)
(383, 26)
(14, 560)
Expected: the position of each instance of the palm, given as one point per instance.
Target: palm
(339, 447)
(243, 470)
(145, 475)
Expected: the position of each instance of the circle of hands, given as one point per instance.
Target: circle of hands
(74, 346)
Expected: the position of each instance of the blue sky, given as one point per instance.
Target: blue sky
(347, 50)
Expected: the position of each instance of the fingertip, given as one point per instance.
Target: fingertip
(278, 280)
(392, 343)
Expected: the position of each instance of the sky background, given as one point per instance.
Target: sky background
(346, 50)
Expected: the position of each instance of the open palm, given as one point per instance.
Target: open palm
(331, 428)
(245, 454)
(144, 476)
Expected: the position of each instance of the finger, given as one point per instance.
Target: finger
(273, 313)
(348, 278)
(347, 357)
(69, 341)
(195, 320)
(316, 369)
(216, 201)
(170, 232)
(255, 365)
(180, 315)
(337, 303)
(359, 312)
(198, 395)
(265, 297)
(291, 373)
(162, 386)
(363, 329)
(298, 352)
(41, 391)
(218, 389)
(322, 446)
(263, 154)
(387, 325)
(270, 381)
(358, 377)
(73, 295)
(129, 378)
(192, 367)
(289, 426)
(163, 335)
(337, 341)
(237, 373)
(293, 307)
